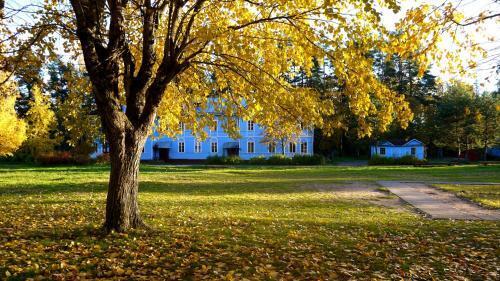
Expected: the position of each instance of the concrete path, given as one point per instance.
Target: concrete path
(438, 204)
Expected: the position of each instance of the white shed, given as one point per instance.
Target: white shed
(399, 148)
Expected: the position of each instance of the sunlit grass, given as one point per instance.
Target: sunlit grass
(487, 195)
(236, 222)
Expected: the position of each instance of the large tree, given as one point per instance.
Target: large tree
(456, 112)
(12, 129)
(174, 60)
(488, 121)
(73, 104)
(41, 123)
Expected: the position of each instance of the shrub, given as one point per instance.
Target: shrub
(54, 158)
(221, 160)
(215, 160)
(103, 158)
(259, 160)
(379, 160)
(21, 156)
(409, 160)
(232, 160)
(405, 160)
(62, 158)
(82, 159)
(279, 159)
(308, 159)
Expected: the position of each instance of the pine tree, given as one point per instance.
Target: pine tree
(41, 123)
(80, 126)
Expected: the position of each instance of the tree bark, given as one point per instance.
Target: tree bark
(107, 56)
(122, 209)
(485, 151)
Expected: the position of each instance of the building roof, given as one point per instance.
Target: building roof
(399, 142)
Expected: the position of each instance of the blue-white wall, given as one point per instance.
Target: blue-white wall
(220, 137)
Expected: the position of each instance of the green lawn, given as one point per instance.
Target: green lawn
(487, 195)
(236, 223)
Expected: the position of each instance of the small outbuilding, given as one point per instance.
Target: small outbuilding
(398, 148)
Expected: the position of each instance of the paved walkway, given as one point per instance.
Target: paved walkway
(438, 204)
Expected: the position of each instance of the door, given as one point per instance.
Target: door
(233, 151)
(163, 154)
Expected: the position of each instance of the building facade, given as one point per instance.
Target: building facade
(399, 148)
(252, 143)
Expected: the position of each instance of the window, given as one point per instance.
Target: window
(413, 151)
(250, 147)
(105, 147)
(303, 148)
(250, 125)
(181, 147)
(292, 147)
(236, 123)
(214, 147)
(181, 127)
(197, 146)
(214, 127)
(382, 151)
(271, 147)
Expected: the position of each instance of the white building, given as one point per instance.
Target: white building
(399, 148)
(253, 143)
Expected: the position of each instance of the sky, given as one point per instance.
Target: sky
(484, 77)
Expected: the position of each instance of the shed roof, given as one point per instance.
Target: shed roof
(399, 142)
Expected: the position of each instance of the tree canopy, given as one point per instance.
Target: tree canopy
(12, 129)
(244, 51)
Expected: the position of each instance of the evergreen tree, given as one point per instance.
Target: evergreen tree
(456, 113)
(488, 121)
(421, 92)
(28, 76)
(41, 124)
(76, 113)
(77, 125)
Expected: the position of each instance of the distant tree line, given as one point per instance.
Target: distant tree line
(451, 119)
(55, 102)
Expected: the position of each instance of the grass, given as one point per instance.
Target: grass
(259, 223)
(486, 195)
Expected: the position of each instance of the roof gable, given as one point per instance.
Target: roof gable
(414, 142)
(400, 143)
(385, 143)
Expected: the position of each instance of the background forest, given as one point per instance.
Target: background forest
(452, 119)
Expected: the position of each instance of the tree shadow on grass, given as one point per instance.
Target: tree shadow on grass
(89, 230)
(8, 168)
(206, 188)
(50, 188)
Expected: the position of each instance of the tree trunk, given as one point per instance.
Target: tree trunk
(485, 151)
(341, 144)
(122, 209)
